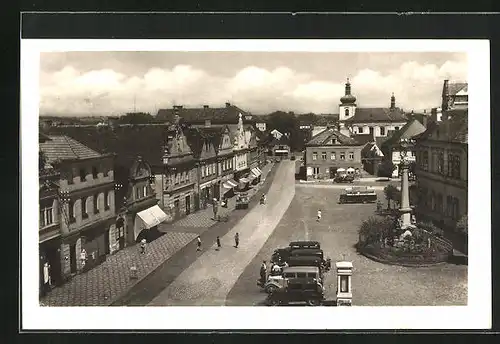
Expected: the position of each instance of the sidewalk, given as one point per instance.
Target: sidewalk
(104, 284)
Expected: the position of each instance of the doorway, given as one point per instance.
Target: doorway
(72, 258)
(176, 209)
(188, 204)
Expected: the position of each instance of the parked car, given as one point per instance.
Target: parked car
(343, 178)
(358, 195)
(304, 244)
(242, 201)
(274, 283)
(298, 290)
(315, 252)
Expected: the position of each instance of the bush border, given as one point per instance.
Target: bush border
(403, 261)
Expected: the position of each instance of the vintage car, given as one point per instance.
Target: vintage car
(275, 282)
(305, 261)
(304, 244)
(361, 194)
(317, 252)
(343, 178)
(298, 290)
(242, 200)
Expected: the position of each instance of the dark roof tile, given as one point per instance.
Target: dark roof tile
(62, 147)
(377, 115)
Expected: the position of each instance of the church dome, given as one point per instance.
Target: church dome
(348, 99)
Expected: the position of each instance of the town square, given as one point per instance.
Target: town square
(261, 189)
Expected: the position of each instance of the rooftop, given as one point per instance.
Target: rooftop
(409, 130)
(455, 87)
(364, 115)
(325, 138)
(227, 115)
(62, 147)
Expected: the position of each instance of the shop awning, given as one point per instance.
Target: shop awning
(227, 186)
(256, 172)
(152, 216)
(244, 180)
(232, 183)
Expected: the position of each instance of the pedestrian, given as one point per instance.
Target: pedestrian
(236, 240)
(83, 257)
(143, 246)
(198, 243)
(218, 243)
(276, 270)
(263, 272)
(319, 215)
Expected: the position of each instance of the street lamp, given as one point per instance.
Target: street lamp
(405, 146)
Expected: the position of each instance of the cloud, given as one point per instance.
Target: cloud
(69, 91)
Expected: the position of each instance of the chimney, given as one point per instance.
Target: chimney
(205, 106)
(444, 103)
(228, 105)
(424, 120)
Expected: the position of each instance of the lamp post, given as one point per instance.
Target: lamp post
(405, 210)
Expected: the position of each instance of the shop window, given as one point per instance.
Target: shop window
(96, 204)
(82, 174)
(71, 212)
(106, 200)
(84, 208)
(46, 216)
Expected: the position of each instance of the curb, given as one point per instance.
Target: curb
(408, 265)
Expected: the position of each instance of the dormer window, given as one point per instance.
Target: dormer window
(334, 141)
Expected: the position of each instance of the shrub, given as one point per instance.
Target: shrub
(431, 228)
(375, 230)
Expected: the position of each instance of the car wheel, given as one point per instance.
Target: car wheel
(271, 289)
(274, 302)
(313, 302)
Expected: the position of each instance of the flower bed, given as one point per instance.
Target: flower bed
(381, 241)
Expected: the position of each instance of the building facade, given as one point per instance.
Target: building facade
(368, 121)
(225, 161)
(329, 151)
(391, 146)
(177, 185)
(441, 170)
(87, 202)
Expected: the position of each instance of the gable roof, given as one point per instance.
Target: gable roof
(197, 138)
(324, 138)
(364, 115)
(455, 87)
(61, 147)
(453, 129)
(410, 129)
(225, 115)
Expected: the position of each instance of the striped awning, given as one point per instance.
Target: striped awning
(256, 172)
(232, 183)
(244, 180)
(226, 185)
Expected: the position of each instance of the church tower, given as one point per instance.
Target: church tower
(393, 102)
(347, 108)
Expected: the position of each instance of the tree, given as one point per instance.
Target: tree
(136, 118)
(375, 230)
(386, 168)
(391, 193)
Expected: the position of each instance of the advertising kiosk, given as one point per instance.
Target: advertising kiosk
(344, 287)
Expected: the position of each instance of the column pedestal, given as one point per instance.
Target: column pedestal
(405, 209)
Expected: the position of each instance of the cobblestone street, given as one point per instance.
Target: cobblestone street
(374, 284)
(101, 285)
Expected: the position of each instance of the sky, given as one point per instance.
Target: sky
(113, 83)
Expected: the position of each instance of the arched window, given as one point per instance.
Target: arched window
(346, 112)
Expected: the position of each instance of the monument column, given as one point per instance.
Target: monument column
(405, 210)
